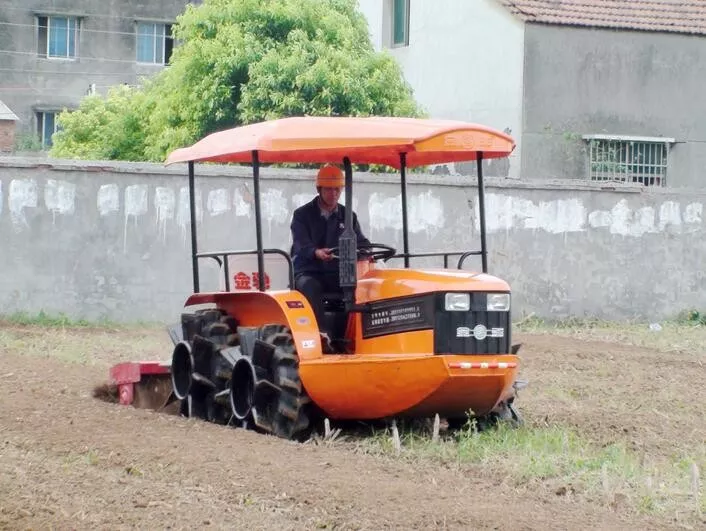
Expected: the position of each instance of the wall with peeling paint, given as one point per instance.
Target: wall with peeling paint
(111, 240)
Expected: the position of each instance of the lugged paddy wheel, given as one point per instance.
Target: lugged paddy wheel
(223, 332)
(219, 330)
(291, 418)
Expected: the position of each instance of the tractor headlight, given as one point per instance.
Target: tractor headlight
(498, 302)
(457, 302)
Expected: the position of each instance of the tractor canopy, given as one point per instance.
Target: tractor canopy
(395, 142)
(375, 140)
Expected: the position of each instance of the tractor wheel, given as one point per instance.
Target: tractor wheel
(219, 329)
(213, 324)
(291, 416)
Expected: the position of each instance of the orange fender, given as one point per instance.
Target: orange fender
(258, 308)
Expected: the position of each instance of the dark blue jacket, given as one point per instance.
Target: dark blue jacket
(311, 230)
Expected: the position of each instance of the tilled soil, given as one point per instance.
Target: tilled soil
(70, 461)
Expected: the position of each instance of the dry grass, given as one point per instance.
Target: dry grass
(86, 344)
(680, 335)
(560, 461)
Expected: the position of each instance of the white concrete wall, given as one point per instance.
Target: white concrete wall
(464, 60)
(111, 240)
(373, 11)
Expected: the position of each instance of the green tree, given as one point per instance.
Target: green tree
(110, 127)
(239, 62)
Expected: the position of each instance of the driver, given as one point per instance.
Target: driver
(316, 227)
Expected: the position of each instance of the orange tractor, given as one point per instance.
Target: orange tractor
(416, 342)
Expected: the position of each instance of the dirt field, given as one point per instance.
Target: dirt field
(70, 461)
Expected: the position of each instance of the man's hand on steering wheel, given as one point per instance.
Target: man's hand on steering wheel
(371, 251)
(325, 255)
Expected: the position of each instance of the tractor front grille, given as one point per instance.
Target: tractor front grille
(476, 331)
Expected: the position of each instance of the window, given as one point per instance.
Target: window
(46, 127)
(400, 22)
(154, 43)
(58, 36)
(629, 159)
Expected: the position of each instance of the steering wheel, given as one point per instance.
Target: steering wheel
(371, 251)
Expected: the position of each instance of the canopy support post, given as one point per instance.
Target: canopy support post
(192, 215)
(481, 212)
(258, 222)
(405, 230)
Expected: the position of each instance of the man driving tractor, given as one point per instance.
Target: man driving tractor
(316, 227)
(405, 342)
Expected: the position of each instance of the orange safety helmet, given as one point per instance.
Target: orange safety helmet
(330, 176)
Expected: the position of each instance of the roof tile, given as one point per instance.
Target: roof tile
(678, 16)
(6, 113)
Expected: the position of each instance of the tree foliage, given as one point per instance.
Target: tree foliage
(104, 128)
(239, 62)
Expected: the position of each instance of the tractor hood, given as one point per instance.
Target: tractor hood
(379, 284)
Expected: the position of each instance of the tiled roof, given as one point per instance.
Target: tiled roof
(6, 113)
(679, 16)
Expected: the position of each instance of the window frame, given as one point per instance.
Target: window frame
(393, 24)
(167, 42)
(630, 159)
(41, 117)
(71, 37)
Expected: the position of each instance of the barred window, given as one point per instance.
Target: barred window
(641, 160)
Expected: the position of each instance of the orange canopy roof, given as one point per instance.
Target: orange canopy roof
(375, 140)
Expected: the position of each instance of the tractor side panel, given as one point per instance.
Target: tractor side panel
(413, 342)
